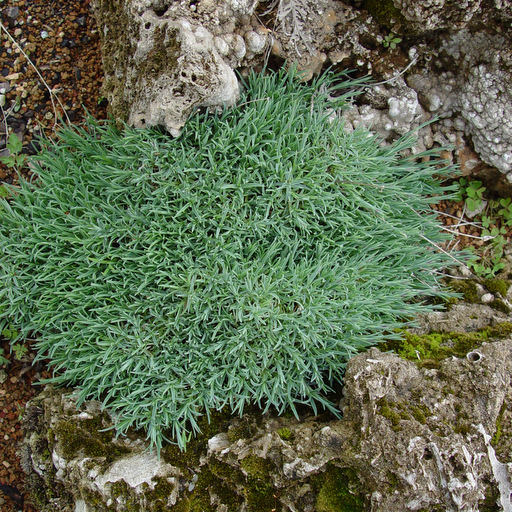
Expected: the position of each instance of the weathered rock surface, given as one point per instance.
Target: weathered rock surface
(410, 439)
(164, 59)
(429, 15)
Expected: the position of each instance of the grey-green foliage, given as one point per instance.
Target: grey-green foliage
(243, 262)
(292, 15)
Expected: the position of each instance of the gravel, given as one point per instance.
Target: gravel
(61, 39)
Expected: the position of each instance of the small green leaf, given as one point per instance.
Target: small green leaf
(3, 360)
(471, 203)
(19, 350)
(10, 333)
(14, 145)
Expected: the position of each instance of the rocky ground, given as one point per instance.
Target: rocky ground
(61, 40)
(55, 41)
(51, 67)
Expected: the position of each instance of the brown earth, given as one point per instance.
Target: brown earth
(61, 40)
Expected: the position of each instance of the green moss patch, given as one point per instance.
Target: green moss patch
(340, 491)
(500, 286)
(210, 485)
(285, 434)
(259, 489)
(467, 288)
(384, 11)
(500, 305)
(430, 349)
(86, 439)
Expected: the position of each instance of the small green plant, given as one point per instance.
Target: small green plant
(10, 333)
(472, 193)
(491, 260)
(506, 210)
(488, 260)
(19, 351)
(15, 158)
(243, 262)
(3, 325)
(486, 266)
(391, 41)
(3, 191)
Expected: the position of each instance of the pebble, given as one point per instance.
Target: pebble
(6, 464)
(44, 34)
(12, 12)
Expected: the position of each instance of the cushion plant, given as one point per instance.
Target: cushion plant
(243, 262)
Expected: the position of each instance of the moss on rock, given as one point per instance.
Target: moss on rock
(496, 285)
(384, 11)
(467, 288)
(87, 439)
(259, 490)
(340, 491)
(500, 305)
(242, 428)
(285, 434)
(428, 350)
(208, 490)
(389, 412)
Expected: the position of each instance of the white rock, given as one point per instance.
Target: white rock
(218, 442)
(81, 506)
(255, 42)
(487, 298)
(135, 470)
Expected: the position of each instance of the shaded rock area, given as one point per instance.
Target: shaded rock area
(412, 437)
(165, 59)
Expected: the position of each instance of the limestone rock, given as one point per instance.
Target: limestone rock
(163, 59)
(429, 15)
(411, 438)
(461, 318)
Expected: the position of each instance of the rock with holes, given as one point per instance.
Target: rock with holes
(162, 59)
(429, 15)
(435, 434)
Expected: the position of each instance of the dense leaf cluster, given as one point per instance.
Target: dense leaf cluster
(243, 262)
